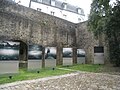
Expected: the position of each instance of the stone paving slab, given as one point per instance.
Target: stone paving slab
(73, 81)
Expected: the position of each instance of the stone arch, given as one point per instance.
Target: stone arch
(22, 51)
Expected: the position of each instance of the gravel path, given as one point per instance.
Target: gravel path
(73, 81)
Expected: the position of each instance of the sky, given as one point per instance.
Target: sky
(85, 4)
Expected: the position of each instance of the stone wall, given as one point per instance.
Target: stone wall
(85, 40)
(30, 26)
(27, 25)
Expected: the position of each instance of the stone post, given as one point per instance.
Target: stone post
(23, 55)
(59, 54)
(43, 58)
(74, 55)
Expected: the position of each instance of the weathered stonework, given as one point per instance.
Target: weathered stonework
(85, 41)
(30, 26)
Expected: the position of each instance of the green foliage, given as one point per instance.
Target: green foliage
(113, 34)
(97, 18)
(105, 19)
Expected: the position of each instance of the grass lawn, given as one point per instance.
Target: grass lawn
(85, 67)
(28, 75)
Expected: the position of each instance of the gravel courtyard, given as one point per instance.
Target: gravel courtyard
(73, 81)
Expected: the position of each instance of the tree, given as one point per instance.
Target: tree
(112, 32)
(98, 14)
(105, 19)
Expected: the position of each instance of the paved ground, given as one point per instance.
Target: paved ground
(73, 81)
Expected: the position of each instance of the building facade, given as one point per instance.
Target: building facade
(59, 9)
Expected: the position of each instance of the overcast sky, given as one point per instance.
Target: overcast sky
(85, 4)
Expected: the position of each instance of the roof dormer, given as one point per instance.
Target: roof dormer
(80, 11)
(64, 5)
(52, 2)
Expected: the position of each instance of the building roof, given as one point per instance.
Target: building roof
(59, 4)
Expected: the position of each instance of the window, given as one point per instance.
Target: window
(98, 49)
(52, 13)
(53, 2)
(38, 9)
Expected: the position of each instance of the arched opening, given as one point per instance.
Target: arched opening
(13, 55)
(22, 53)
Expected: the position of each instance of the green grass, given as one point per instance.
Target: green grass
(85, 67)
(28, 75)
